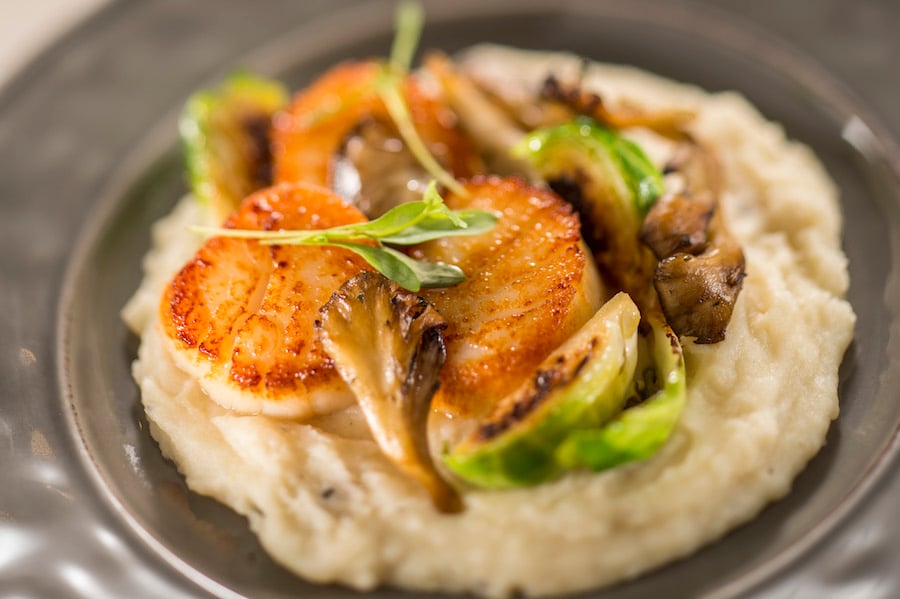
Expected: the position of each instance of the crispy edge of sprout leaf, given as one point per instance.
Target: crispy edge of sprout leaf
(582, 384)
(639, 431)
(642, 179)
(388, 346)
(216, 133)
(670, 123)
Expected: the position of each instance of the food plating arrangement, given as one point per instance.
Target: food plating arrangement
(435, 327)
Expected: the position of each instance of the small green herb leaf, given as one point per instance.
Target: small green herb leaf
(476, 222)
(431, 275)
(436, 205)
(407, 272)
(432, 220)
(386, 262)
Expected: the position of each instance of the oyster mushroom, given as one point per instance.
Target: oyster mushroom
(697, 292)
(701, 266)
(375, 171)
(386, 343)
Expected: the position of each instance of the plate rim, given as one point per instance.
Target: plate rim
(736, 34)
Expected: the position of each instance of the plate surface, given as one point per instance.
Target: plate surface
(85, 455)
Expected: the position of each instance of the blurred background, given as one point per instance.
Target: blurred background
(27, 27)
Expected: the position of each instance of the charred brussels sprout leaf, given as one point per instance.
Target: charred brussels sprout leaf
(612, 184)
(387, 345)
(628, 168)
(225, 134)
(583, 384)
(638, 432)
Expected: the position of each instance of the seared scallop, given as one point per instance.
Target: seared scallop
(239, 316)
(318, 138)
(530, 284)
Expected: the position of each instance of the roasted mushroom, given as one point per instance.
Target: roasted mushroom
(375, 171)
(701, 266)
(387, 345)
(677, 224)
(698, 292)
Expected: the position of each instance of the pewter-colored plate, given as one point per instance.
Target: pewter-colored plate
(89, 508)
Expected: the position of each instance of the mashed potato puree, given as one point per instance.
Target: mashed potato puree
(327, 505)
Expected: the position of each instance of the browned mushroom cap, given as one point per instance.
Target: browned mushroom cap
(701, 265)
(677, 224)
(387, 345)
(697, 293)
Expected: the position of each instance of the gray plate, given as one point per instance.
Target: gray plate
(89, 508)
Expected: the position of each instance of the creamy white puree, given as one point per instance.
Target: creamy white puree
(331, 508)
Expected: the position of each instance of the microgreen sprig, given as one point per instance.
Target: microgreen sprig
(406, 224)
(408, 22)
(389, 86)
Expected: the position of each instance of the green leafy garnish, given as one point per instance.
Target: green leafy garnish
(408, 29)
(408, 23)
(406, 224)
